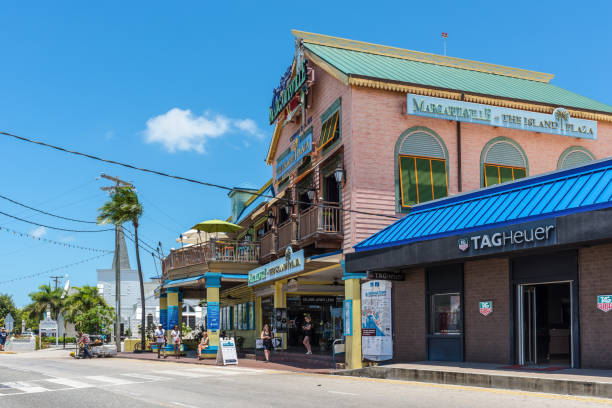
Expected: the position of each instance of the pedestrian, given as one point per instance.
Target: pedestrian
(307, 327)
(84, 342)
(203, 344)
(266, 336)
(176, 341)
(3, 337)
(160, 340)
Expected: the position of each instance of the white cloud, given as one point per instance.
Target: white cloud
(181, 130)
(39, 232)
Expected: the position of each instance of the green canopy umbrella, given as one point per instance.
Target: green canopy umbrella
(216, 226)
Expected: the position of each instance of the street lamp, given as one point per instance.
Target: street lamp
(339, 174)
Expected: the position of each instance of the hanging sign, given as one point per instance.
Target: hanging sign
(212, 316)
(485, 308)
(226, 353)
(291, 263)
(558, 122)
(376, 320)
(287, 89)
(317, 300)
(604, 303)
(301, 146)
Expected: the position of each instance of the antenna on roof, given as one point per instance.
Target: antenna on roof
(444, 36)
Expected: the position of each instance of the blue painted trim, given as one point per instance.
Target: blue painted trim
(235, 276)
(359, 275)
(324, 255)
(592, 207)
(213, 279)
(172, 290)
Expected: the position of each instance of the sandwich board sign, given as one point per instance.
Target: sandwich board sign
(226, 353)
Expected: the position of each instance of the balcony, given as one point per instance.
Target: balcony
(287, 234)
(321, 225)
(213, 251)
(268, 246)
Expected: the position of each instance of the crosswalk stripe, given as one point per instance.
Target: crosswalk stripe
(25, 387)
(109, 380)
(212, 371)
(147, 376)
(183, 373)
(70, 382)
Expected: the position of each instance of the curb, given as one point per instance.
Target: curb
(531, 384)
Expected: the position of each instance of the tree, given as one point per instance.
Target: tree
(88, 311)
(8, 306)
(121, 208)
(41, 300)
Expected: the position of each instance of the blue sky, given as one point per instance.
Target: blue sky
(184, 87)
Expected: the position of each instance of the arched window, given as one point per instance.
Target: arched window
(421, 167)
(574, 156)
(502, 160)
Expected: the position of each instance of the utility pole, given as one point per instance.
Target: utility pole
(117, 266)
(56, 279)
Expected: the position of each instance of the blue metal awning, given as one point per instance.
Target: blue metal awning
(558, 193)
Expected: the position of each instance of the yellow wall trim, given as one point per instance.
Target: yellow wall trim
(401, 53)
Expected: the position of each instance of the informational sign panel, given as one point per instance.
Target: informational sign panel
(376, 320)
(9, 322)
(289, 264)
(173, 315)
(226, 353)
(212, 316)
(348, 317)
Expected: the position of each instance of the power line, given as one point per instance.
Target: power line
(140, 243)
(45, 212)
(190, 180)
(54, 228)
(51, 241)
(32, 275)
(132, 237)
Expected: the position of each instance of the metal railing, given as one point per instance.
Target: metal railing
(212, 251)
(325, 219)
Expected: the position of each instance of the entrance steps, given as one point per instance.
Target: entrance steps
(583, 382)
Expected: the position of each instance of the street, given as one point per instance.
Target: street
(53, 379)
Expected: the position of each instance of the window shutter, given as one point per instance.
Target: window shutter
(424, 180)
(519, 173)
(505, 174)
(408, 181)
(422, 144)
(505, 154)
(491, 175)
(576, 158)
(438, 171)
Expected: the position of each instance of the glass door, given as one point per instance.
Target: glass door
(529, 325)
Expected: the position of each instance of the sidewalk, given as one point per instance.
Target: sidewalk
(280, 363)
(569, 381)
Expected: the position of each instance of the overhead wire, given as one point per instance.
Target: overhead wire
(44, 212)
(51, 227)
(51, 241)
(190, 180)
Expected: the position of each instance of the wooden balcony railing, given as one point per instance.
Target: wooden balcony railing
(287, 233)
(268, 244)
(212, 251)
(326, 219)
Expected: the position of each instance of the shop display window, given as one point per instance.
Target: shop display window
(422, 179)
(446, 314)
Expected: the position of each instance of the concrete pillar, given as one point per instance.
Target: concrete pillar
(280, 301)
(213, 284)
(173, 312)
(352, 291)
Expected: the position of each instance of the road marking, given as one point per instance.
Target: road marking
(109, 380)
(212, 372)
(69, 382)
(25, 387)
(184, 373)
(180, 404)
(147, 376)
(342, 393)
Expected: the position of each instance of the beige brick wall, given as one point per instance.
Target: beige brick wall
(487, 338)
(595, 269)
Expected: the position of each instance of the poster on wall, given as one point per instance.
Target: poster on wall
(376, 320)
(212, 314)
(173, 314)
(348, 317)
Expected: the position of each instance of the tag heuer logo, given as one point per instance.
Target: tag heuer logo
(464, 244)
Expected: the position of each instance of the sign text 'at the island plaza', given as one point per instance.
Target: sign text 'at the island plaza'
(558, 122)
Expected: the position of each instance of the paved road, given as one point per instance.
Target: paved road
(52, 379)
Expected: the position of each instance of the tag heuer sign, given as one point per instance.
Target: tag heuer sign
(463, 244)
(486, 308)
(604, 303)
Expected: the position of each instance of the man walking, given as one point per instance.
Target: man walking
(84, 340)
(3, 337)
(160, 340)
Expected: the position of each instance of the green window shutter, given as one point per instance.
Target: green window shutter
(408, 181)
(519, 173)
(505, 174)
(438, 171)
(424, 180)
(329, 131)
(491, 175)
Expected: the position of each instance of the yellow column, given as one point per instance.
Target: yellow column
(352, 291)
(280, 301)
(258, 317)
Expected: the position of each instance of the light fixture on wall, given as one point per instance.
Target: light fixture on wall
(339, 174)
(311, 193)
(271, 218)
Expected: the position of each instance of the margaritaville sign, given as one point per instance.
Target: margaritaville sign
(558, 122)
(287, 89)
(290, 263)
(301, 146)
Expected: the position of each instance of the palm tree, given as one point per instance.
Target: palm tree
(85, 300)
(121, 208)
(43, 299)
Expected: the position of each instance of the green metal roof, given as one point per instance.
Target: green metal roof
(359, 63)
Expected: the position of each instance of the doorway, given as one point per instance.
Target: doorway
(545, 324)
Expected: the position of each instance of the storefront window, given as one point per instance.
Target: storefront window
(496, 174)
(422, 179)
(446, 314)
